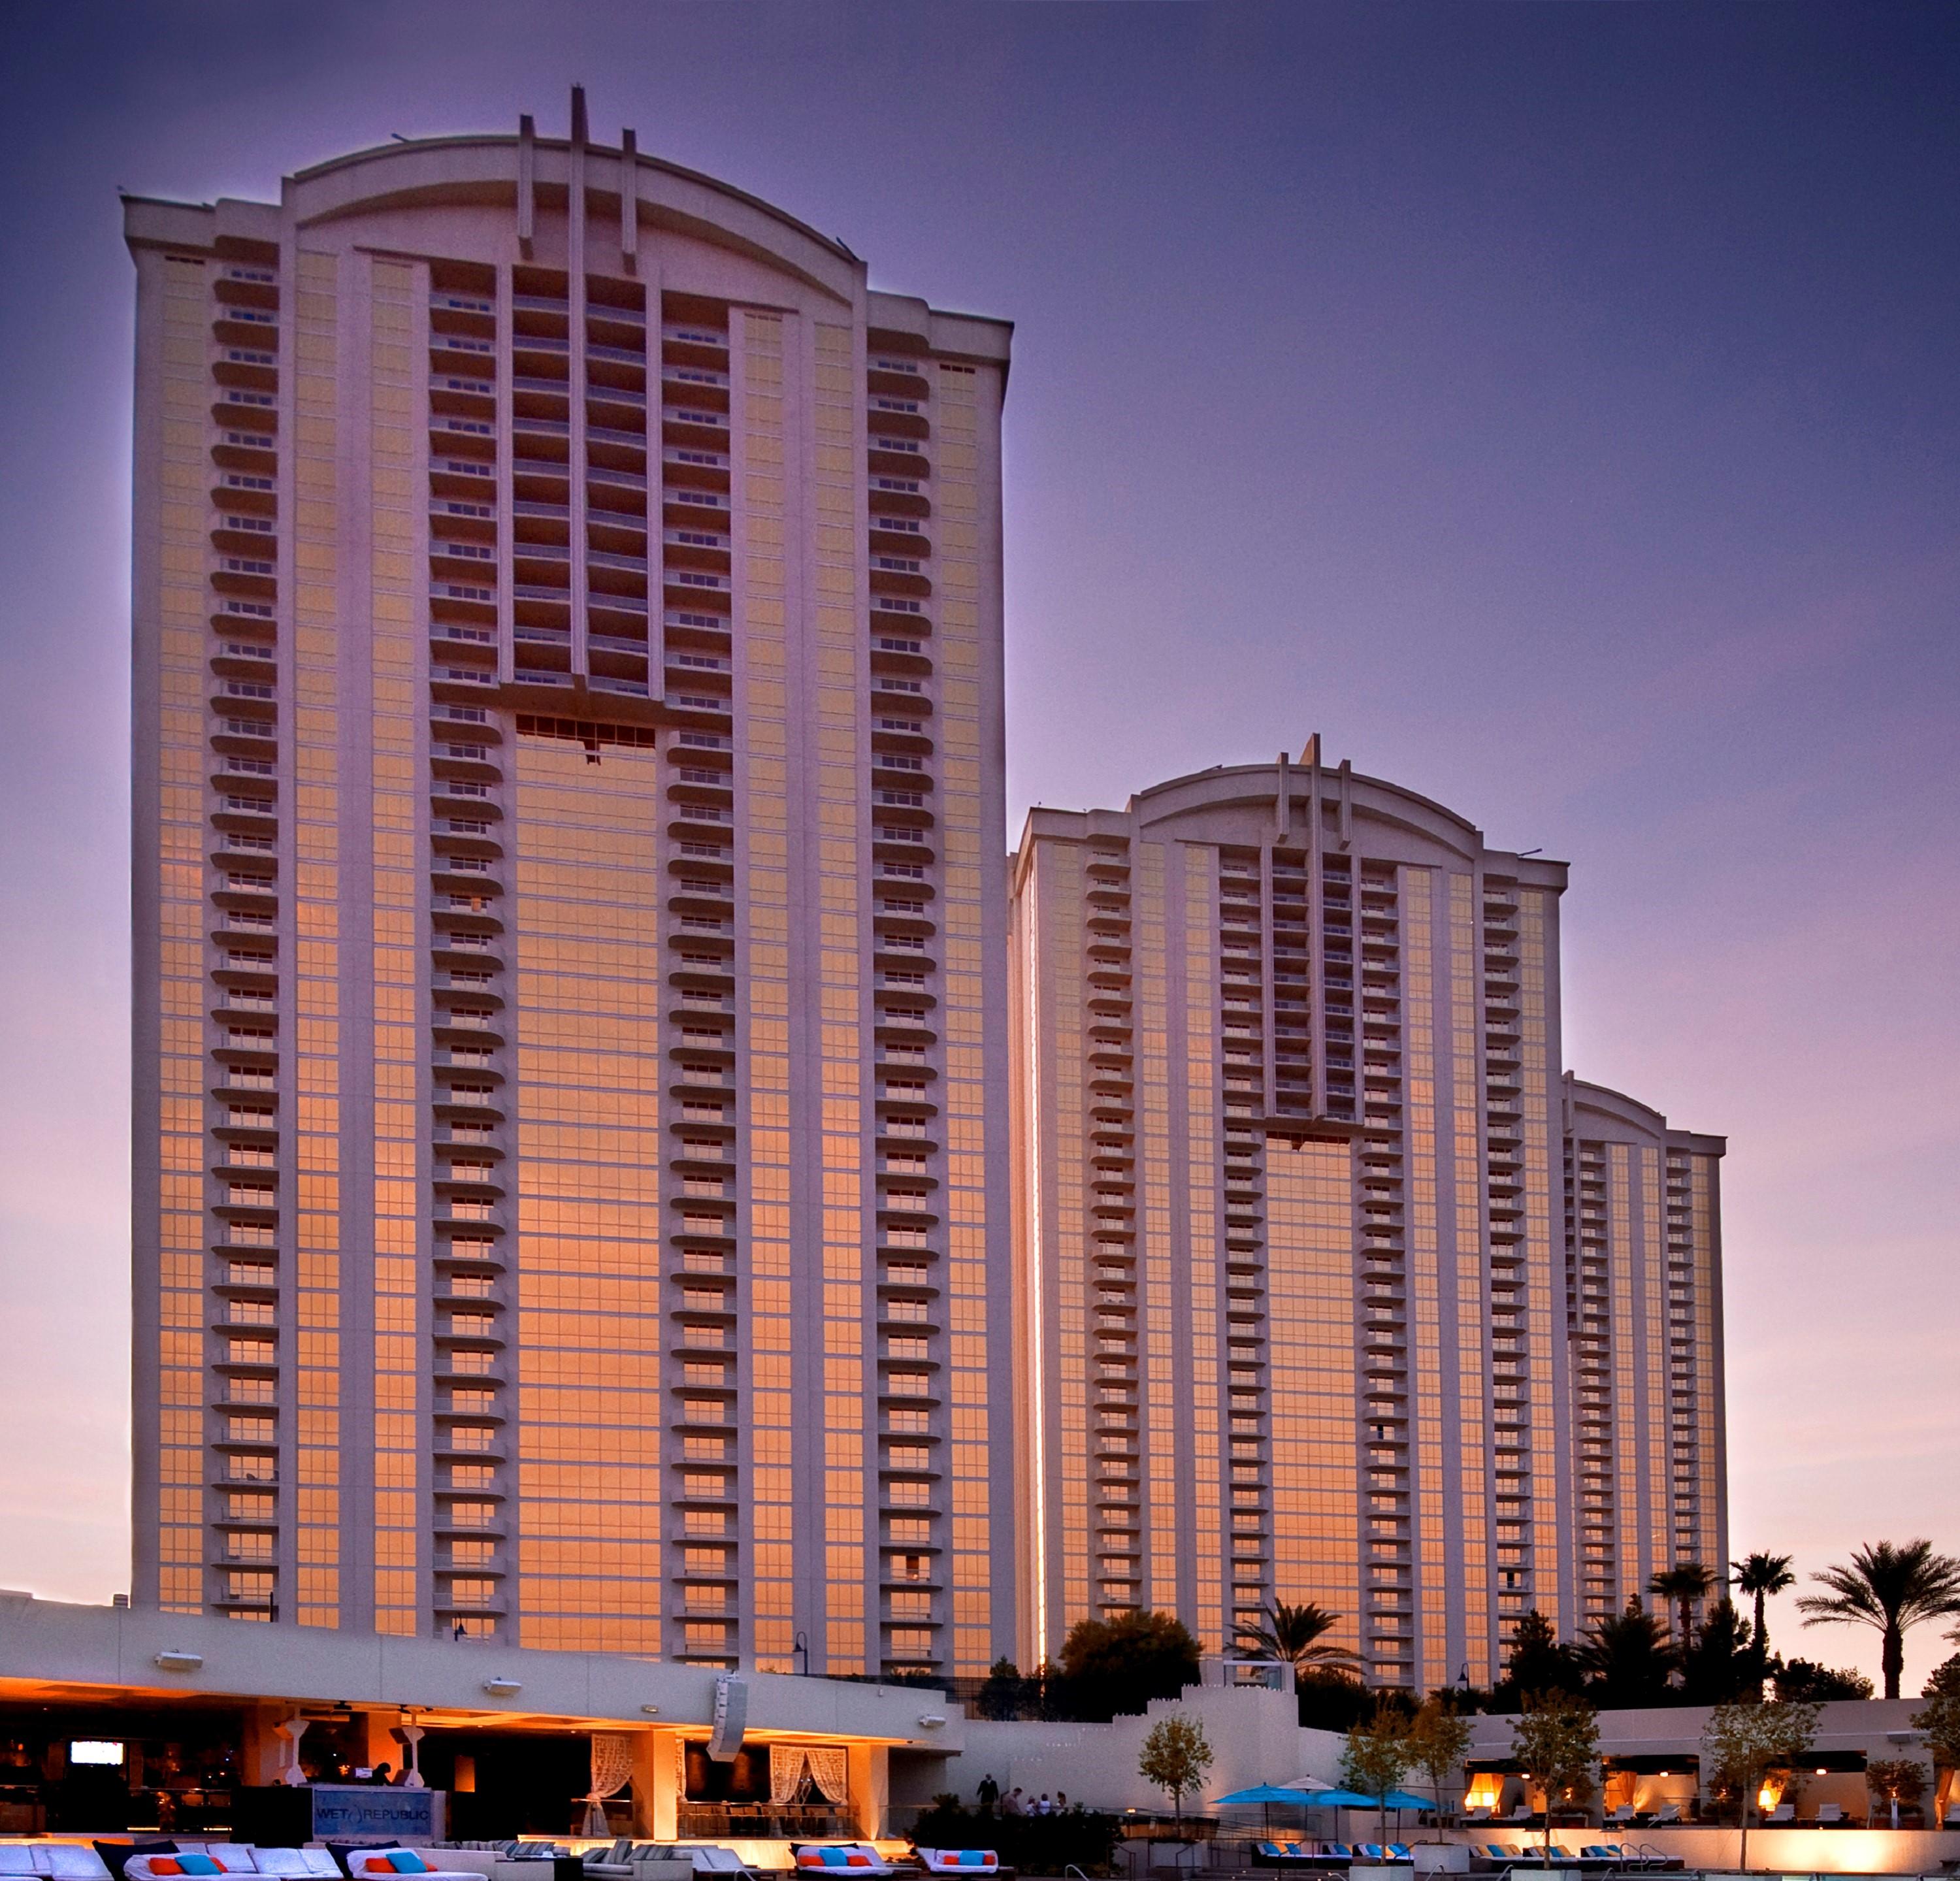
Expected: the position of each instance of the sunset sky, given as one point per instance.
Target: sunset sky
(1555, 407)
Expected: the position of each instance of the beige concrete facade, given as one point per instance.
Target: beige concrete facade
(1297, 1316)
(570, 928)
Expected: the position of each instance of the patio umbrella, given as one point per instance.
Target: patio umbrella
(1336, 1799)
(1265, 1795)
(1405, 1800)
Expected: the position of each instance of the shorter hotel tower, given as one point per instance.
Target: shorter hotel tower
(1331, 1287)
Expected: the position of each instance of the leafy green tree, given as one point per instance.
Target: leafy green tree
(1940, 1721)
(1557, 1745)
(1759, 1576)
(1944, 1679)
(1000, 1695)
(1295, 1635)
(1376, 1757)
(1804, 1682)
(1892, 1589)
(1331, 1700)
(1893, 1780)
(1176, 1756)
(1684, 1583)
(1740, 1744)
(1725, 1664)
(1439, 1738)
(1116, 1667)
(1539, 1663)
(1626, 1658)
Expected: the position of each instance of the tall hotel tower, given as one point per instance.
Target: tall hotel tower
(1322, 1298)
(570, 920)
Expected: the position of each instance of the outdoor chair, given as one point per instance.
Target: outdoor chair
(1783, 1812)
(849, 1858)
(1668, 1812)
(296, 1864)
(1620, 1817)
(959, 1860)
(1830, 1812)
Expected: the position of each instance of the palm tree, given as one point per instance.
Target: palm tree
(1626, 1658)
(1890, 1588)
(1293, 1634)
(1760, 1576)
(1684, 1583)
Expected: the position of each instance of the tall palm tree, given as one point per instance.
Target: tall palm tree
(1759, 1576)
(1684, 1583)
(1626, 1658)
(1292, 1634)
(1890, 1588)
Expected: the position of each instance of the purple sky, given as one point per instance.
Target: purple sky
(1555, 406)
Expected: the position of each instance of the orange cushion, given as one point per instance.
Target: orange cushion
(165, 1864)
(856, 1859)
(378, 1864)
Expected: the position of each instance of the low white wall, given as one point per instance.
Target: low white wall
(1784, 1850)
(1255, 1735)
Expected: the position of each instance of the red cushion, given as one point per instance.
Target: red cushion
(165, 1864)
(855, 1859)
(378, 1864)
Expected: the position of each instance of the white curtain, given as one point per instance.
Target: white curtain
(786, 1768)
(828, 1767)
(830, 1770)
(611, 1771)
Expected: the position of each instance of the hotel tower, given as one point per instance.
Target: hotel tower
(570, 927)
(1331, 1287)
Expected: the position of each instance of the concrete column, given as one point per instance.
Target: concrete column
(260, 1750)
(376, 1743)
(871, 1767)
(656, 1784)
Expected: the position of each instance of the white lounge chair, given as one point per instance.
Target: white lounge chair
(960, 1860)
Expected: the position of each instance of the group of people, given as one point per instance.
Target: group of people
(1017, 1802)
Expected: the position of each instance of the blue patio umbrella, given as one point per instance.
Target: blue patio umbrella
(1265, 1795)
(1405, 1800)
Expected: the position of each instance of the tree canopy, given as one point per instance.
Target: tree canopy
(1116, 1667)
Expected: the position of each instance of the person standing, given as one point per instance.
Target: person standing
(988, 1794)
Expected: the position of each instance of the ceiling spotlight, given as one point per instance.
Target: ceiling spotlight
(179, 1662)
(502, 1688)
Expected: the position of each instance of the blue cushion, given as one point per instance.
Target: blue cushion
(406, 1861)
(198, 1864)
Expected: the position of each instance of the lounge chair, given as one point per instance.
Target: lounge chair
(1401, 1851)
(1830, 1812)
(1668, 1813)
(959, 1860)
(852, 1858)
(1273, 1854)
(629, 1860)
(1620, 1817)
(63, 1861)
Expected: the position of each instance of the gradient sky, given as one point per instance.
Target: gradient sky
(1556, 407)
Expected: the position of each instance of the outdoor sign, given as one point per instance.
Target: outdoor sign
(376, 1809)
